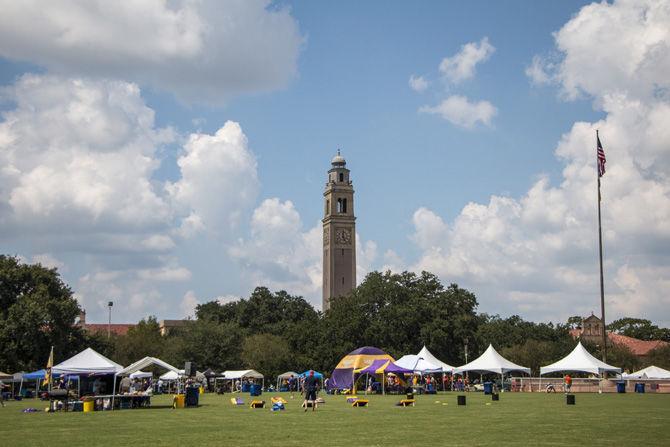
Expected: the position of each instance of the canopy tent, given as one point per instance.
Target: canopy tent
(650, 372)
(343, 374)
(429, 357)
(172, 375)
(5, 376)
(491, 362)
(417, 364)
(376, 367)
(87, 361)
(146, 361)
(579, 360)
(287, 375)
(141, 375)
(135, 368)
(210, 373)
(317, 374)
(40, 374)
(243, 374)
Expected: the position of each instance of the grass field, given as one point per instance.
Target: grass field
(517, 419)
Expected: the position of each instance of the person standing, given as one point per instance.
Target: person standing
(567, 380)
(310, 387)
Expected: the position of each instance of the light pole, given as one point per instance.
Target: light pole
(109, 324)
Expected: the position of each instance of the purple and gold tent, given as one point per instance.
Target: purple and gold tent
(343, 374)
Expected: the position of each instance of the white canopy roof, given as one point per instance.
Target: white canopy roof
(146, 361)
(140, 375)
(87, 361)
(172, 375)
(650, 372)
(429, 357)
(287, 375)
(245, 374)
(491, 361)
(417, 364)
(579, 360)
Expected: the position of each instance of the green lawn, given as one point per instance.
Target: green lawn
(517, 419)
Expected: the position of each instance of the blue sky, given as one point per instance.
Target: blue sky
(502, 204)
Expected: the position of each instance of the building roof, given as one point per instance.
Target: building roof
(117, 329)
(637, 346)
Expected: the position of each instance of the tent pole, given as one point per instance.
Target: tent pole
(113, 391)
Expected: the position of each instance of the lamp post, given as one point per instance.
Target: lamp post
(110, 304)
(467, 376)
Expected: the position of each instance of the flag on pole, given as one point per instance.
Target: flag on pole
(601, 158)
(50, 364)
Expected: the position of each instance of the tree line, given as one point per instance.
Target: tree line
(274, 332)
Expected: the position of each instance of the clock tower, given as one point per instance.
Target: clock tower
(339, 233)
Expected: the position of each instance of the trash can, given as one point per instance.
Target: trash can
(621, 387)
(461, 400)
(488, 387)
(570, 399)
(255, 390)
(639, 387)
(178, 401)
(89, 406)
(192, 396)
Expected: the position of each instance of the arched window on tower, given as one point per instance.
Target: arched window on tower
(327, 206)
(339, 205)
(341, 176)
(344, 206)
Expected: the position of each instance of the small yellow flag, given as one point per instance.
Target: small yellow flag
(50, 364)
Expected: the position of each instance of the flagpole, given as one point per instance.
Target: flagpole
(600, 243)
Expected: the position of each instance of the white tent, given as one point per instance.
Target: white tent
(141, 375)
(87, 361)
(286, 376)
(173, 375)
(146, 361)
(650, 372)
(429, 357)
(491, 361)
(242, 374)
(579, 360)
(417, 364)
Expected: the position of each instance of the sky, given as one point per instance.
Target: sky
(165, 154)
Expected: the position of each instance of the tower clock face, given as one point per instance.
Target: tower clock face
(343, 236)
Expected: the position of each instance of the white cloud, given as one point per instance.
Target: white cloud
(49, 261)
(188, 304)
(200, 50)
(281, 255)
(538, 254)
(462, 65)
(637, 38)
(459, 111)
(218, 180)
(537, 71)
(418, 83)
(78, 156)
(78, 180)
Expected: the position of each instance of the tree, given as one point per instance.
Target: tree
(142, 340)
(37, 311)
(659, 357)
(639, 328)
(537, 353)
(267, 353)
(207, 343)
(398, 313)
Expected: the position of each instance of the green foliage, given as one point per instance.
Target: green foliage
(268, 353)
(37, 311)
(537, 353)
(142, 340)
(617, 355)
(659, 357)
(399, 313)
(207, 343)
(639, 328)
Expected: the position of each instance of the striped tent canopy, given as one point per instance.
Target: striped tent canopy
(361, 358)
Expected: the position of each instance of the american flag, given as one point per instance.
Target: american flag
(601, 158)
